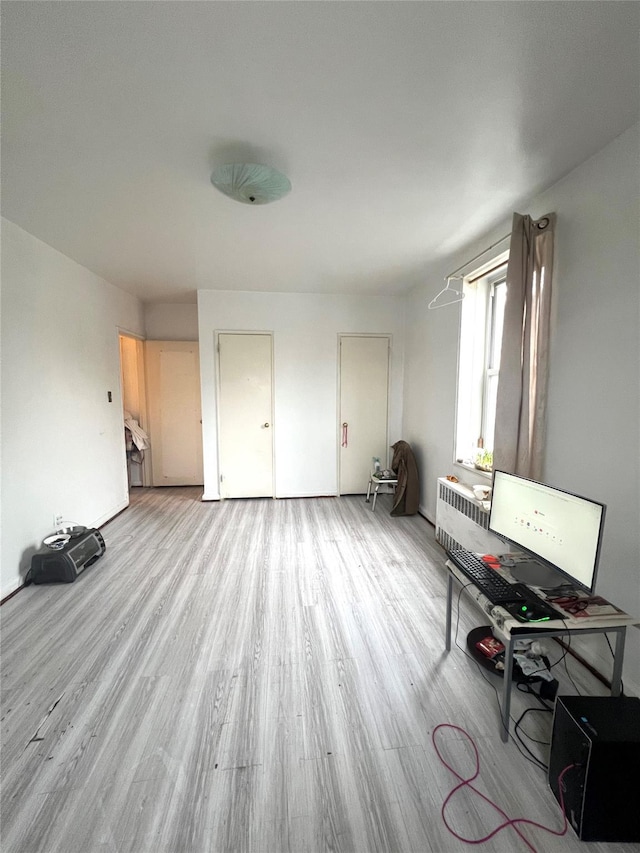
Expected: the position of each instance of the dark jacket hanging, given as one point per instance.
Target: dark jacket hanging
(407, 496)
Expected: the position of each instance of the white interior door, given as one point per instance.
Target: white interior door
(364, 389)
(175, 420)
(245, 432)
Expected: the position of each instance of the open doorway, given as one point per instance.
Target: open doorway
(134, 403)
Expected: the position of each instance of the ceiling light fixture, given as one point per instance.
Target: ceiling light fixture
(250, 183)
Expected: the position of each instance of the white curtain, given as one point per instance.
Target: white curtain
(522, 389)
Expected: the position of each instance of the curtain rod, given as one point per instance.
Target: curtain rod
(479, 255)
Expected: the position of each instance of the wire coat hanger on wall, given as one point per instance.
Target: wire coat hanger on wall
(447, 296)
(441, 300)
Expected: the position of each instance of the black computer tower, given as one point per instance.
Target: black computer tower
(598, 738)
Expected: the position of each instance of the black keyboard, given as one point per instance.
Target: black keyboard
(516, 598)
(493, 585)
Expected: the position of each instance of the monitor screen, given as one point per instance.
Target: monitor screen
(560, 530)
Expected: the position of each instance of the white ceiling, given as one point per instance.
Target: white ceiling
(406, 128)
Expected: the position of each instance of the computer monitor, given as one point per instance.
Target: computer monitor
(559, 533)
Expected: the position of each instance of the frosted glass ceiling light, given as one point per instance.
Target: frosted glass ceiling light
(250, 183)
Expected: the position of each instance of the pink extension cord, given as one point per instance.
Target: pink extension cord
(467, 783)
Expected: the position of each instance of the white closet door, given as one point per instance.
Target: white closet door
(175, 420)
(245, 433)
(364, 388)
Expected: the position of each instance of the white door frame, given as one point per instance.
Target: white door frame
(216, 352)
(145, 469)
(341, 335)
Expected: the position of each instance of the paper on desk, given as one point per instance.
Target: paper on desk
(587, 607)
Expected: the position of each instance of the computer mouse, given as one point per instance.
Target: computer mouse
(526, 611)
(534, 614)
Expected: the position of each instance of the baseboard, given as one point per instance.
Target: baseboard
(207, 496)
(426, 515)
(12, 589)
(307, 495)
(107, 516)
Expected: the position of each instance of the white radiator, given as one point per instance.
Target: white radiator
(461, 522)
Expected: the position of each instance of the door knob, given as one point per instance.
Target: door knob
(266, 426)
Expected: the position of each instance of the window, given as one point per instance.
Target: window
(481, 324)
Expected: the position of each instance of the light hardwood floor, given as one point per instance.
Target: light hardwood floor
(255, 675)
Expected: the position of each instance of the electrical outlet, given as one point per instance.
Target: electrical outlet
(57, 520)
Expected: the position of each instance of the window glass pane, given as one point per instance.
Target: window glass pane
(490, 410)
(499, 299)
(482, 316)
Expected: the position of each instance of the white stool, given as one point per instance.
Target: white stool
(376, 481)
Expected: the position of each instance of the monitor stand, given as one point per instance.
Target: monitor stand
(532, 573)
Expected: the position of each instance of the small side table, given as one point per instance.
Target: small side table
(376, 482)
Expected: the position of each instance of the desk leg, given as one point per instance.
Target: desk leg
(506, 689)
(366, 500)
(375, 495)
(447, 635)
(618, 657)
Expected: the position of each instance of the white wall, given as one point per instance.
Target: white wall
(171, 322)
(593, 437)
(306, 328)
(62, 442)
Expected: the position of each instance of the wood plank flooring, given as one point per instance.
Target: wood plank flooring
(260, 676)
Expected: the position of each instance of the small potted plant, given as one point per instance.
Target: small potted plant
(484, 460)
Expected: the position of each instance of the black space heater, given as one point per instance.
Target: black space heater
(65, 564)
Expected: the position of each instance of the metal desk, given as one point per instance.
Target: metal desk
(510, 630)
